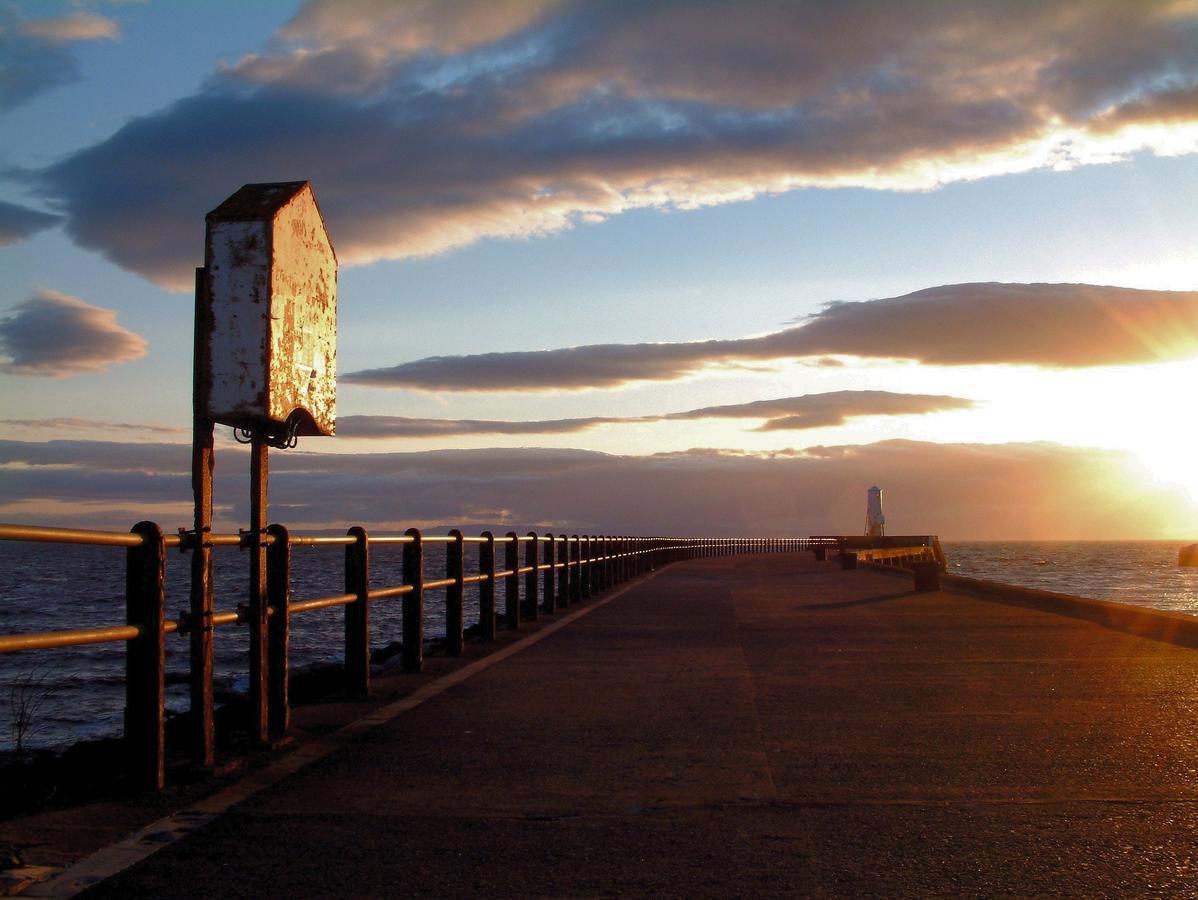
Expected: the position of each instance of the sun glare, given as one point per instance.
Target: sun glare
(1171, 463)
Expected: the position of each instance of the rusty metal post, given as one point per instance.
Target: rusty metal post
(532, 553)
(413, 602)
(278, 588)
(486, 588)
(357, 614)
(454, 594)
(604, 544)
(511, 584)
(562, 555)
(202, 733)
(549, 598)
(145, 658)
(602, 563)
(258, 605)
(581, 589)
(589, 551)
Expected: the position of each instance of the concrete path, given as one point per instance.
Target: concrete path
(750, 727)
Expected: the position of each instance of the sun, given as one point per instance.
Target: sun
(1172, 463)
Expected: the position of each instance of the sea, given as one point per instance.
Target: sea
(50, 699)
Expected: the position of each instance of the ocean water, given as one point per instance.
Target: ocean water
(1141, 573)
(79, 691)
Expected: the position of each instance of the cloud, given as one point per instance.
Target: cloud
(405, 427)
(786, 413)
(1050, 325)
(18, 222)
(54, 335)
(76, 26)
(980, 491)
(428, 126)
(70, 423)
(828, 409)
(34, 56)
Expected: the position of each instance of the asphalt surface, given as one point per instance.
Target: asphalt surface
(750, 726)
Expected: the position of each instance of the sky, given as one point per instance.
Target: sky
(699, 268)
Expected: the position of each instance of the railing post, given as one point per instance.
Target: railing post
(581, 589)
(532, 553)
(569, 577)
(413, 602)
(609, 569)
(258, 605)
(486, 588)
(357, 614)
(592, 556)
(454, 565)
(511, 584)
(145, 657)
(568, 592)
(549, 596)
(202, 732)
(278, 593)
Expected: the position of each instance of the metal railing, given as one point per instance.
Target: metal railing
(539, 573)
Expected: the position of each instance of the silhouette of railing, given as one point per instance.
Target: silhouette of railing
(539, 573)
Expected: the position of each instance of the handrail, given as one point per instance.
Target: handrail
(552, 572)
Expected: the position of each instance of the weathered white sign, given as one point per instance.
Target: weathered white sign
(272, 286)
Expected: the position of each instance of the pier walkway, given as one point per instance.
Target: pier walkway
(743, 727)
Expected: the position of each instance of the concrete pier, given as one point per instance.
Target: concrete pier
(750, 726)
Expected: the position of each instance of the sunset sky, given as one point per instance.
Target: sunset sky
(687, 267)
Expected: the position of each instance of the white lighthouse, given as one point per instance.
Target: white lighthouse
(875, 522)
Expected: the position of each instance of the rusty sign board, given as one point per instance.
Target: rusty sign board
(271, 353)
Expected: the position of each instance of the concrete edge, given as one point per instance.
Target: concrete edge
(145, 842)
(1142, 621)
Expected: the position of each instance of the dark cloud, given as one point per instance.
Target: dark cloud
(824, 410)
(34, 53)
(1051, 325)
(19, 222)
(405, 427)
(787, 413)
(1030, 491)
(429, 126)
(70, 423)
(54, 335)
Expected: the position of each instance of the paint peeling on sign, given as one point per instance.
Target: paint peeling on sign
(272, 282)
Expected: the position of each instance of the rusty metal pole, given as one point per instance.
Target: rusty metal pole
(278, 588)
(454, 566)
(357, 614)
(256, 539)
(569, 573)
(581, 587)
(145, 658)
(413, 602)
(202, 733)
(511, 585)
(549, 597)
(486, 588)
(532, 553)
